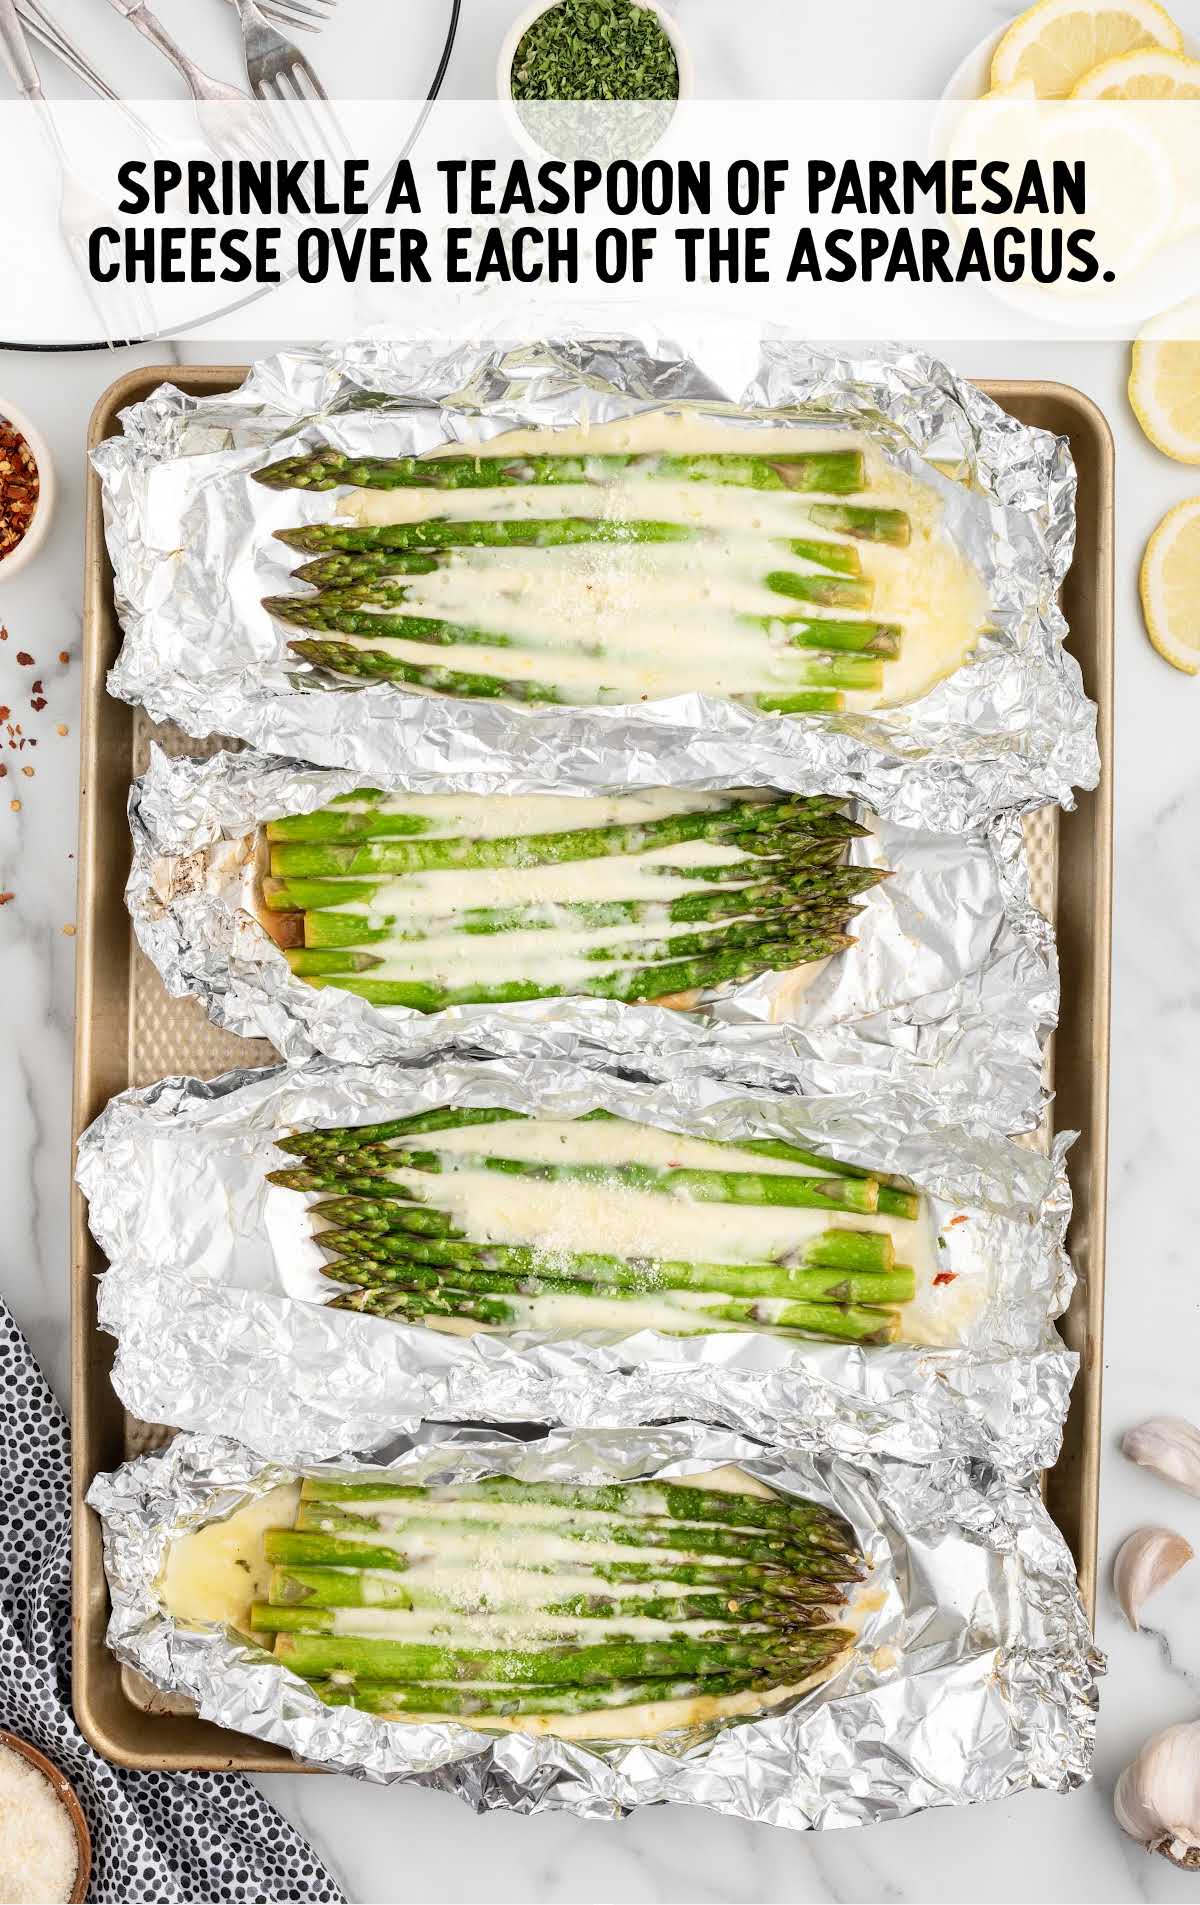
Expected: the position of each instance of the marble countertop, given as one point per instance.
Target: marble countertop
(414, 1845)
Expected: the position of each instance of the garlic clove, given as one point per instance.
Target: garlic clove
(1157, 1799)
(1170, 1447)
(1146, 1561)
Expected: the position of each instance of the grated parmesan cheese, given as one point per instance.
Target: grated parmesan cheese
(39, 1854)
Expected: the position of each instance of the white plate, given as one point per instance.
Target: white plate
(1164, 282)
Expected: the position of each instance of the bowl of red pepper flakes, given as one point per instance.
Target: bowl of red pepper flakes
(26, 490)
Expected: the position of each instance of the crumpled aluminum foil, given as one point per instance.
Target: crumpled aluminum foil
(954, 978)
(188, 533)
(974, 1675)
(215, 1297)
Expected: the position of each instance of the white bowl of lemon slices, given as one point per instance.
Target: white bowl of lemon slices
(1112, 51)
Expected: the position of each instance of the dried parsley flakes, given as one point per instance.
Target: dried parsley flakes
(595, 49)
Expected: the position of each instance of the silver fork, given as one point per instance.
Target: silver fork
(297, 13)
(280, 75)
(79, 210)
(230, 121)
(274, 67)
(45, 28)
(200, 84)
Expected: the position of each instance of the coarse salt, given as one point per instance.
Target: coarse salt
(39, 1853)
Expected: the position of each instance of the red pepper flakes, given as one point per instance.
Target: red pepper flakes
(24, 658)
(19, 486)
(960, 1219)
(6, 897)
(4, 713)
(945, 1276)
(62, 728)
(37, 689)
(63, 656)
(38, 703)
(28, 772)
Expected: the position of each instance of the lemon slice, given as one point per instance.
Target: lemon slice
(1056, 42)
(1164, 382)
(1171, 587)
(1147, 74)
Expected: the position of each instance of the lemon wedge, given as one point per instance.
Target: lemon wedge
(1164, 382)
(1058, 41)
(1170, 585)
(1147, 74)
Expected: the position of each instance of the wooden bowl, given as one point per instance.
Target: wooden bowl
(66, 1793)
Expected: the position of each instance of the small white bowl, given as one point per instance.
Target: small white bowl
(520, 27)
(35, 535)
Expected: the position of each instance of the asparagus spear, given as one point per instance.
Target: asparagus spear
(550, 532)
(856, 1251)
(870, 525)
(402, 1625)
(370, 814)
(790, 704)
(343, 1540)
(459, 1268)
(709, 1187)
(824, 1572)
(860, 672)
(819, 819)
(836, 472)
(378, 577)
(801, 1547)
(799, 631)
(373, 664)
(327, 1588)
(335, 898)
(666, 981)
(836, 1322)
(345, 955)
(390, 1698)
(366, 820)
(319, 1655)
(765, 900)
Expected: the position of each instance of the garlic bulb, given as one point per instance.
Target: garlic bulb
(1158, 1797)
(1144, 1562)
(1170, 1446)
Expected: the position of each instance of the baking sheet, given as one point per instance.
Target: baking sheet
(129, 1031)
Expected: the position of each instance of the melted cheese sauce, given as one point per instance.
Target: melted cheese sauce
(215, 1573)
(624, 623)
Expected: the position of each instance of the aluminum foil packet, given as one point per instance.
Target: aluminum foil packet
(973, 1674)
(220, 1310)
(189, 533)
(953, 977)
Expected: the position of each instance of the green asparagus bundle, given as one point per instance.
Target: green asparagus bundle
(497, 1599)
(378, 582)
(394, 899)
(418, 1225)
